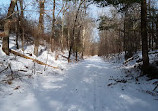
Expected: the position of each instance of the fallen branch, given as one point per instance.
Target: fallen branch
(153, 52)
(117, 81)
(130, 59)
(22, 70)
(156, 83)
(155, 87)
(4, 69)
(63, 56)
(148, 92)
(34, 60)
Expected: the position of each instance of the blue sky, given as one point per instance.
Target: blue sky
(93, 10)
(5, 1)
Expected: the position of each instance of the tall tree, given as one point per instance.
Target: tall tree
(63, 17)
(22, 23)
(17, 26)
(156, 38)
(123, 5)
(53, 26)
(144, 35)
(7, 24)
(40, 26)
(74, 29)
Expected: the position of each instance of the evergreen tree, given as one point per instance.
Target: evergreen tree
(122, 5)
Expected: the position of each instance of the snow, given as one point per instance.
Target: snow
(89, 85)
(81, 87)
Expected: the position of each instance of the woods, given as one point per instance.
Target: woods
(7, 27)
(131, 28)
(78, 55)
(67, 26)
(65, 22)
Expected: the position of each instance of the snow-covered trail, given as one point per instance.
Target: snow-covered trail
(82, 87)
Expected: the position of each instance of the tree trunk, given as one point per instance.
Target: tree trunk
(22, 23)
(17, 28)
(62, 35)
(152, 39)
(124, 37)
(5, 43)
(83, 32)
(69, 53)
(83, 41)
(41, 18)
(144, 36)
(149, 27)
(156, 40)
(17, 34)
(68, 36)
(40, 27)
(76, 55)
(53, 27)
(63, 17)
(73, 31)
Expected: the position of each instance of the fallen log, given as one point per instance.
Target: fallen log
(4, 69)
(130, 59)
(34, 60)
(63, 56)
(153, 52)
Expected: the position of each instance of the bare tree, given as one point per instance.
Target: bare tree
(53, 26)
(22, 23)
(73, 30)
(5, 34)
(144, 36)
(40, 26)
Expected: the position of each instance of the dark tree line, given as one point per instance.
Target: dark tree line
(136, 28)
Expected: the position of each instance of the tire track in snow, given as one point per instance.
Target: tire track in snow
(94, 93)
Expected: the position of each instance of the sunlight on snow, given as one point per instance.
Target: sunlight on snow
(132, 100)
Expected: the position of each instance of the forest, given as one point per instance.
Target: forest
(75, 55)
